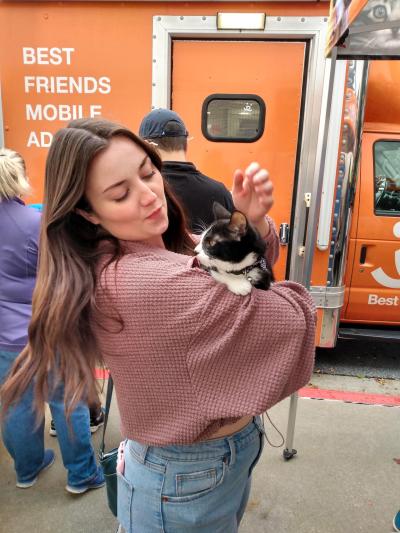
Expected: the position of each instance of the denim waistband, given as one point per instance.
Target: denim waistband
(203, 450)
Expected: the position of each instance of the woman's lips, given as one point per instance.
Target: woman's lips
(154, 214)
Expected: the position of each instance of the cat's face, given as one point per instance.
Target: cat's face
(234, 253)
(230, 238)
(378, 11)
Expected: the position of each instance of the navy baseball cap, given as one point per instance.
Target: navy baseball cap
(155, 125)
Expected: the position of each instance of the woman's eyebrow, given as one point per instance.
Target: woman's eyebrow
(146, 157)
(123, 181)
(114, 185)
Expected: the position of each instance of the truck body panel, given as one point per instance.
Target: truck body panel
(217, 72)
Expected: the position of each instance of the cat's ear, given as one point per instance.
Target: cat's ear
(238, 224)
(220, 212)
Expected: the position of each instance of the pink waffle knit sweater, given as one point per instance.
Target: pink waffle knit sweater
(192, 356)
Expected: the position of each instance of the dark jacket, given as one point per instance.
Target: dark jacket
(196, 193)
(18, 261)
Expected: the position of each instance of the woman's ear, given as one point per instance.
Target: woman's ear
(90, 217)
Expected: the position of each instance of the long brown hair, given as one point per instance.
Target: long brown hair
(61, 342)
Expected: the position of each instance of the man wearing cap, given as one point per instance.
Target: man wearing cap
(165, 129)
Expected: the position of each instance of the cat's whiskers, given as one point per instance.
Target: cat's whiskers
(201, 225)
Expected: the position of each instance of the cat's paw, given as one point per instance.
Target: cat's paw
(240, 287)
(203, 259)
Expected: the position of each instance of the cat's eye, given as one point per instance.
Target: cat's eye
(380, 12)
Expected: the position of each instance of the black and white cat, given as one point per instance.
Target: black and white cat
(233, 252)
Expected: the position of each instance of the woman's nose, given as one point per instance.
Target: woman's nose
(147, 196)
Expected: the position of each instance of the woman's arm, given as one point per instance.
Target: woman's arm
(249, 353)
(33, 241)
(252, 194)
(242, 353)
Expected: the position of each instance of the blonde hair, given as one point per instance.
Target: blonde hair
(13, 180)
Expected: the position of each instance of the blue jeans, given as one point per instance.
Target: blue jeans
(24, 439)
(201, 488)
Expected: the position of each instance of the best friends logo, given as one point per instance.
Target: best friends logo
(380, 275)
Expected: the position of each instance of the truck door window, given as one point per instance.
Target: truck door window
(387, 178)
(233, 117)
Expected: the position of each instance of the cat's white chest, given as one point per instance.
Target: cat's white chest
(238, 284)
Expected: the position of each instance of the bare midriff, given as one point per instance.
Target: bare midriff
(229, 429)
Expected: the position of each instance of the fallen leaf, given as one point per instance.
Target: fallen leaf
(253, 504)
(397, 461)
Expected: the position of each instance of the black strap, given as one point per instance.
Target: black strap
(110, 387)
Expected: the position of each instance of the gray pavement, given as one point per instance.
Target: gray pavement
(360, 358)
(344, 479)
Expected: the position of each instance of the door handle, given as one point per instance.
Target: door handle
(284, 232)
(363, 255)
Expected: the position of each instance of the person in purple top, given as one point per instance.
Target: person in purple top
(22, 437)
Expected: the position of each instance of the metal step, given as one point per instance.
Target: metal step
(377, 334)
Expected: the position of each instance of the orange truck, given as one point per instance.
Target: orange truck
(252, 82)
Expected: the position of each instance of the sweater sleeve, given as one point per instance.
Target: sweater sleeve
(249, 353)
(272, 240)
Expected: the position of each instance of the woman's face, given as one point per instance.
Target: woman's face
(126, 193)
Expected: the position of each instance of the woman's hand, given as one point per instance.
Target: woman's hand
(252, 195)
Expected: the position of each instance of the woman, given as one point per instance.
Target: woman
(22, 436)
(193, 364)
